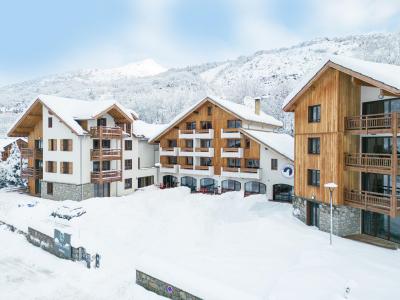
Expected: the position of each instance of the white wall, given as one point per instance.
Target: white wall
(371, 94)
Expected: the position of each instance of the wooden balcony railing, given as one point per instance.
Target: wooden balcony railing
(230, 130)
(106, 176)
(31, 152)
(105, 132)
(374, 123)
(105, 154)
(187, 131)
(187, 149)
(202, 149)
(36, 173)
(230, 169)
(372, 162)
(202, 130)
(371, 201)
(186, 167)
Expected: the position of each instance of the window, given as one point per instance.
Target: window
(104, 144)
(106, 166)
(39, 144)
(233, 143)
(313, 145)
(233, 162)
(66, 167)
(102, 122)
(247, 142)
(190, 125)
(172, 143)
(50, 122)
(234, 123)
(128, 145)
(51, 167)
(52, 145)
(66, 145)
(252, 163)
(138, 162)
(206, 125)
(189, 143)
(209, 110)
(49, 188)
(128, 183)
(189, 161)
(145, 181)
(274, 164)
(128, 164)
(205, 161)
(314, 114)
(205, 143)
(172, 160)
(313, 177)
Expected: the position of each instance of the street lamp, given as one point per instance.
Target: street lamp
(331, 186)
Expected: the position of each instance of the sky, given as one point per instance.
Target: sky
(45, 36)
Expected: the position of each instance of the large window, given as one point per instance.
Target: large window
(102, 122)
(314, 114)
(189, 143)
(206, 125)
(66, 145)
(145, 181)
(190, 125)
(233, 162)
(172, 143)
(106, 166)
(128, 144)
(205, 161)
(128, 164)
(252, 163)
(313, 145)
(233, 143)
(313, 177)
(208, 185)
(234, 123)
(189, 161)
(254, 187)
(230, 185)
(205, 143)
(105, 144)
(172, 160)
(190, 182)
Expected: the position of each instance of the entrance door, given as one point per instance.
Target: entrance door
(37, 187)
(312, 214)
(102, 190)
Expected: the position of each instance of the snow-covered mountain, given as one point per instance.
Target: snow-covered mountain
(158, 94)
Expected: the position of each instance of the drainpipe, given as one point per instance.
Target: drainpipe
(80, 161)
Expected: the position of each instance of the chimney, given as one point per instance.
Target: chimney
(257, 105)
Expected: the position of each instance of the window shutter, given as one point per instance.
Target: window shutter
(47, 166)
(70, 168)
(49, 144)
(61, 167)
(69, 145)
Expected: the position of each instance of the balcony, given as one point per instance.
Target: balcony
(369, 162)
(375, 202)
(105, 154)
(106, 176)
(169, 168)
(31, 172)
(169, 151)
(196, 170)
(105, 132)
(230, 133)
(196, 134)
(186, 152)
(198, 151)
(252, 173)
(377, 123)
(232, 152)
(27, 153)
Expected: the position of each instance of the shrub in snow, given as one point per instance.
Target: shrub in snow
(10, 169)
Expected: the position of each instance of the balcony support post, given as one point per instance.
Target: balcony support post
(393, 206)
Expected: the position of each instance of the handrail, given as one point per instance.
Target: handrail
(369, 199)
(375, 160)
(370, 122)
(105, 130)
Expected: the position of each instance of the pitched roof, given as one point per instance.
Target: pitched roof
(70, 110)
(4, 142)
(241, 111)
(280, 142)
(146, 130)
(385, 76)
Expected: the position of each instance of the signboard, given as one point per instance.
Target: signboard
(62, 243)
(287, 171)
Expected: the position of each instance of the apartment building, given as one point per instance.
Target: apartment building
(346, 132)
(81, 149)
(217, 146)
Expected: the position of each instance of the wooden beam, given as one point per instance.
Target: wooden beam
(393, 203)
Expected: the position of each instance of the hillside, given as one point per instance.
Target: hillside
(158, 94)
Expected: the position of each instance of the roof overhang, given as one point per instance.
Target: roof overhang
(117, 113)
(290, 106)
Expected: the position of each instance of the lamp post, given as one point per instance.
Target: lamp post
(331, 186)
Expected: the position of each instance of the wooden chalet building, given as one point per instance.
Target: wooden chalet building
(346, 131)
(217, 146)
(6, 145)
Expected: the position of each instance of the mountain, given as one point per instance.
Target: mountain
(158, 94)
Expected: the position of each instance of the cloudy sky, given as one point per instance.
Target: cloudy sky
(47, 36)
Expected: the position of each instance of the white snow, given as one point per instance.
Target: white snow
(146, 130)
(385, 73)
(281, 142)
(7, 141)
(213, 245)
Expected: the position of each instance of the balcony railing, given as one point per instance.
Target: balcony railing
(196, 133)
(241, 172)
(371, 201)
(31, 152)
(106, 176)
(374, 123)
(105, 154)
(232, 152)
(32, 172)
(230, 133)
(105, 132)
(372, 162)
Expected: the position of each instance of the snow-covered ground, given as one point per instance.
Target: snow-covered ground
(213, 246)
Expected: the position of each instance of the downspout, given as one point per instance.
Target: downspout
(80, 161)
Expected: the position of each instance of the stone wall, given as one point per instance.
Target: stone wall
(346, 219)
(66, 191)
(162, 288)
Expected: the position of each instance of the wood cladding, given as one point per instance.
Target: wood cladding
(339, 96)
(208, 112)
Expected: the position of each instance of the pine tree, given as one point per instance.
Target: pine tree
(10, 170)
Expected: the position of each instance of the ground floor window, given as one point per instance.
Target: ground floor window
(282, 192)
(145, 181)
(254, 187)
(230, 185)
(128, 183)
(208, 185)
(49, 188)
(170, 181)
(38, 187)
(102, 190)
(312, 217)
(381, 226)
(190, 182)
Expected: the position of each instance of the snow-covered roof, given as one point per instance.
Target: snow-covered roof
(386, 74)
(280, 142)
(70, 110)
(146, 130)
(4, 142)
(242, 111)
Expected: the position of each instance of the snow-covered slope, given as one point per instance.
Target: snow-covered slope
(158, 98)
